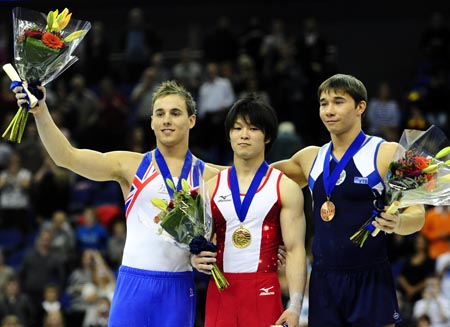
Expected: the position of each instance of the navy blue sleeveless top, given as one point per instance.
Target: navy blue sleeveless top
(353, 195)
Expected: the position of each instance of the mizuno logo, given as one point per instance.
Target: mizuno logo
(224, 198)
(266, 291)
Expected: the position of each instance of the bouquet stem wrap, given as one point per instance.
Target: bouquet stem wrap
(199, 244)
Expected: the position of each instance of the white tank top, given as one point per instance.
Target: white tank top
(144, 247)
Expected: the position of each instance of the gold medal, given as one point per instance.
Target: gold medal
(327, 210)
(241, 237)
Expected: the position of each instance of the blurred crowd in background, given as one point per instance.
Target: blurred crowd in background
(61, 236)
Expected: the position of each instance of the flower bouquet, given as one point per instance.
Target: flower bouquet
(187, 220)
(417, 175)
(43, 47)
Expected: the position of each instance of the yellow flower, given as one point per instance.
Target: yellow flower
(58, 21)
(63, 19)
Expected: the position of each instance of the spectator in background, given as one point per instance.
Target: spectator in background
(50, 302)
(139, 43)
(216, 95)
(137, 141)
(252, 86)
(415, 118)
(270, 47)
(433, 304)
(54, 319)
(141, 98)
(100, 314)
(187, 71)
(162, 72)
(112, 122)
(82, 111)
(41, 267)
(97, 48)
(102, 286)
(312, 51)
(80, 276)
(50, 181)
(423, 321)
(443, 271)
(116, 244)
(15, 183)
(63, 241)
(8, 103)
(414, 272)
(384, 115)
(287, 143)
(11, 321)
(245, 71)
(6, 272)
(5, 152)
(90, 234)
(15, 302)
(437, 230)
(251, 41)
(286, 85)
(30, 149)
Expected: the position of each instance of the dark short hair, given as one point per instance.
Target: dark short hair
(172, 87)
(344, 83)
(256, 112)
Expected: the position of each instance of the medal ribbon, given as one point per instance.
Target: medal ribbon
(242, 208)
(165, 172)
(330, 181)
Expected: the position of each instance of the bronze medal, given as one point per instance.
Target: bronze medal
(241, 237)
(327, 210)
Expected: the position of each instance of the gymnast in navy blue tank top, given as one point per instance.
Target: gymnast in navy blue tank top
(349, 282)
(350, 286)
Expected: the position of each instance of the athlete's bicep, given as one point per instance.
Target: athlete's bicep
(292, 216)
(100, 166)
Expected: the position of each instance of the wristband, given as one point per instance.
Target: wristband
(295, 303)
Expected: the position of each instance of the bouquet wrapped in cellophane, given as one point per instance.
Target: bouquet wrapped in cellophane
(418, 174)
(187, 221)
(43, 47)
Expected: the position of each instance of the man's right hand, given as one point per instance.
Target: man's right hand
(21, 98)
(203, 261)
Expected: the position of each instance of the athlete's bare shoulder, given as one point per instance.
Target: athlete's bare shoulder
(298, 166)
(386, 154)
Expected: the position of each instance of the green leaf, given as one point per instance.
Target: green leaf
(171, 222)
(36, 52)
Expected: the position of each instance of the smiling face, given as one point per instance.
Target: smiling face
(339, 112)
(247, 140)
(170, 120)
